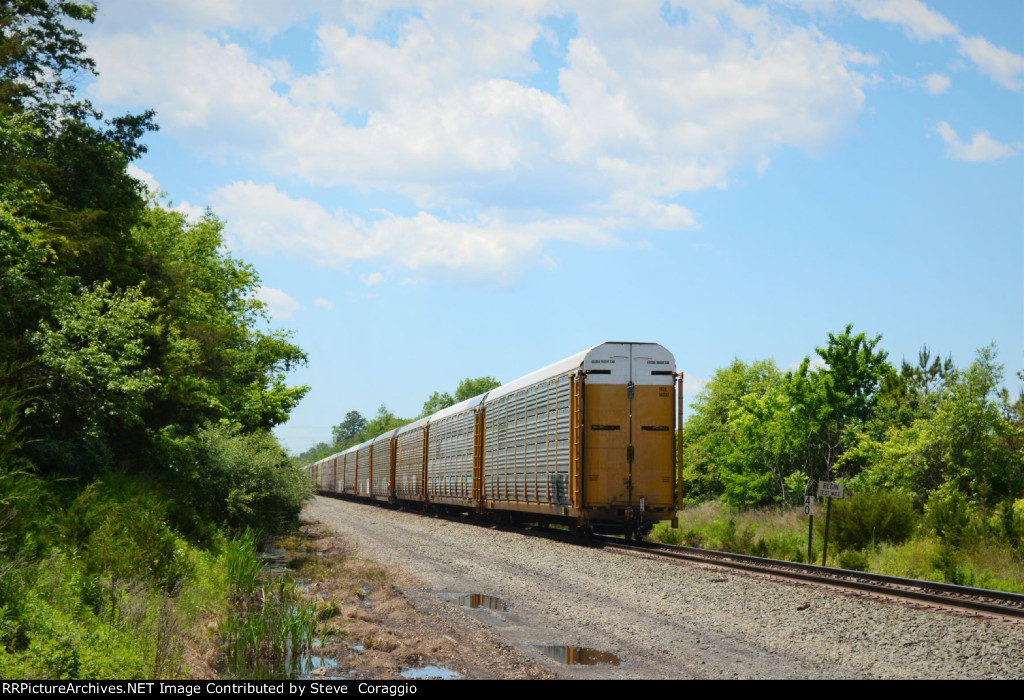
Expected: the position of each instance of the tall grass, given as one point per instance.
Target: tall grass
(269, 621)
(767, 532)
(881, 535)
(243, 563)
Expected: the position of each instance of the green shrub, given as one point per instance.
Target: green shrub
(118, 530)
(950, 563)
(228, 477)
(948, 515)
(693, 538)
(132, 633)
(853, 560)
(1010, 523)
(666, 534)
(867, 518)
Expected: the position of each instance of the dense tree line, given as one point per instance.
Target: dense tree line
(356, 429)
(759, 435)
(137, 389)
(127, 338)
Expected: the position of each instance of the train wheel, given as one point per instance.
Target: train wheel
(581, 531)
(642, 530)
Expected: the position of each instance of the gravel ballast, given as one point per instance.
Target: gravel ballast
(670, 620)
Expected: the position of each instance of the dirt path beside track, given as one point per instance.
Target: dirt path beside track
(663, 620)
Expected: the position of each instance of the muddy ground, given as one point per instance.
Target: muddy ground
(385, 624)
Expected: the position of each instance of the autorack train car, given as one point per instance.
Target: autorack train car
(588, 441)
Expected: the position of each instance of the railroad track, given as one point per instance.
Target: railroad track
(1008, 605)
(947, 594)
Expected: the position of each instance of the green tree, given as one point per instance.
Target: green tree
(969, 444)
(468, 388)
(218, 365)
(345, 433)
(436, 402)
(126, 317)
(40, 54)
(712, 455)
(765, 466)
(95, 353)
(832, 404)
(912, 392)
(381, 423)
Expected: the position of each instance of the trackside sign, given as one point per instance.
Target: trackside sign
(830, 489)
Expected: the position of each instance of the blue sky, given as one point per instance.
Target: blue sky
(438, 190)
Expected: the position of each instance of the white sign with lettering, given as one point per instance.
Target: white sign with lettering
(830, 489)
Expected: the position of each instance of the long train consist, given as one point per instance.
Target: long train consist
(588, 442)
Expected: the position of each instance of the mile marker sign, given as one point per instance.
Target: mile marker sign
(830, 489)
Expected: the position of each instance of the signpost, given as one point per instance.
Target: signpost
(829, 490)
(810, 508)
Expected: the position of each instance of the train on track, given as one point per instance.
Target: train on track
(588, 442)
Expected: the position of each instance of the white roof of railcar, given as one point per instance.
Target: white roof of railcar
(384, 436)
(457, 408)
(553, 370)
(415, 424)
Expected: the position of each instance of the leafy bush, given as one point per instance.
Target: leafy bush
(129, 631)
(666, 534)
(867, 518)
(118, 530)
(853, 560)
(950, 562)
(693, 538)
(949, 515)
(228, 477)
(1010, 523)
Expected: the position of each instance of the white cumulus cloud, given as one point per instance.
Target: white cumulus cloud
(192, 212)
(936, 84)
(490, 249)
(279, 304)
(442, 110)
(438, 106)
(1002, 66)
(916, 19)
(981, 149)
(144, 177)
(924, 24)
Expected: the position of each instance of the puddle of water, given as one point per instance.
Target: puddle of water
(479, 600)
(289, 668)
(578, 655)
(358, 647)
(431, 673)
(275, 559)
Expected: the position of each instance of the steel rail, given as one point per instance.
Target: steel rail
(982, 599)
(934, 592)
